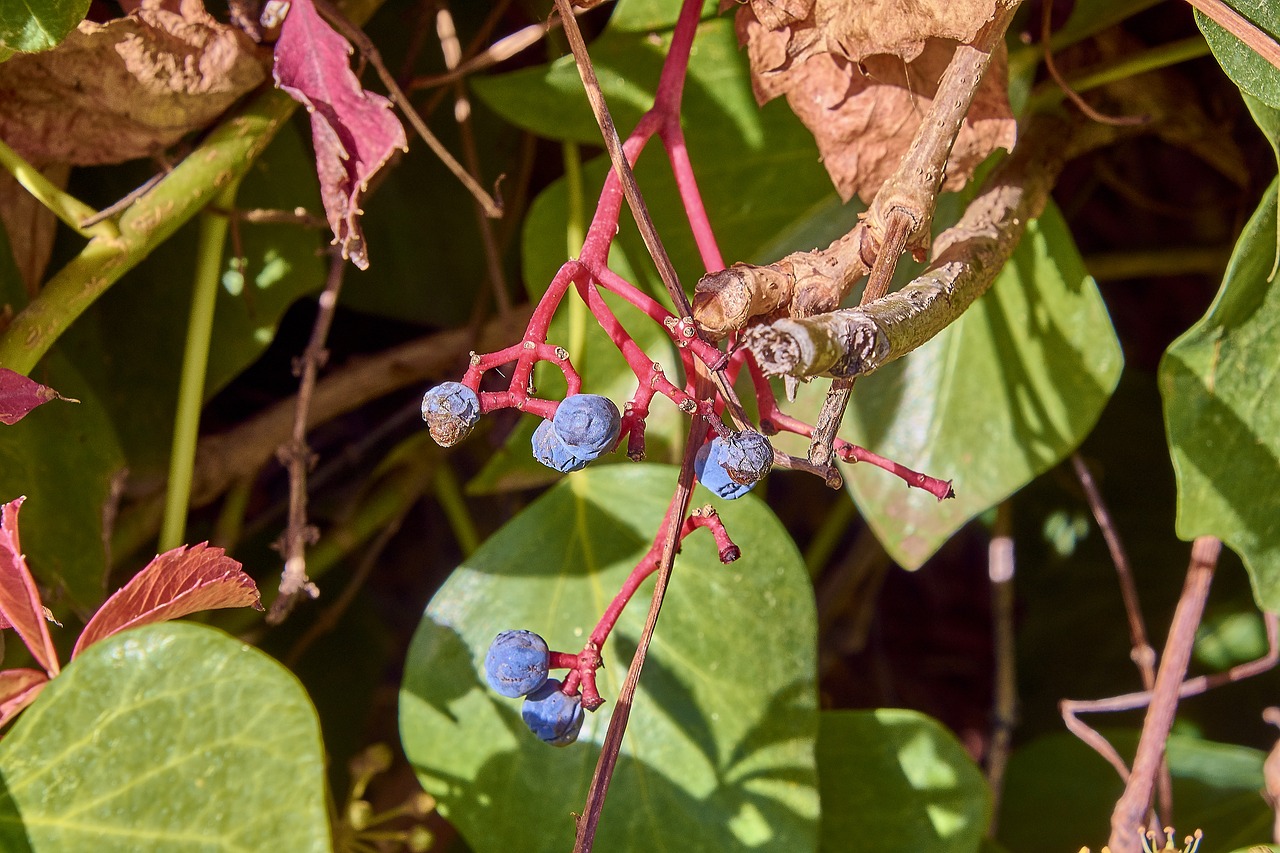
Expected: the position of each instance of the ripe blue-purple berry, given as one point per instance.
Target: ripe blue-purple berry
(450, 409)
(588, 424)
(551, 715)
(517, 663)
(708, 464)
(549, 449)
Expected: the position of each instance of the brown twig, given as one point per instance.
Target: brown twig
(356, 36)
(297, 457)
(1071, 708)
(452, 51)
(1046, 33)
(1133, 805)
(500, 51)
(609, 750)
(1141, 652)
(1000, 569)
(261, 216)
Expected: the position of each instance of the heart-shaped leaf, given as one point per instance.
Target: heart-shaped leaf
(38, 24)
(1218, 383)
(171, 737)
(1253, 74)
(996, 399)
(719, 749)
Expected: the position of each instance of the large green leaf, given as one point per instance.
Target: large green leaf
(37, 24)
(129, 344)
(896, 781)
(719, 749)
(996, 399)
(1253, 74)
(168, 737)
(1215, 788)
(1219, 386)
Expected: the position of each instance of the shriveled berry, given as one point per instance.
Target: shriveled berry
(709, 466)
(551, 715)
(747, 456)
(549, 449)
(588, 424)
(517, 663)
(451, 410)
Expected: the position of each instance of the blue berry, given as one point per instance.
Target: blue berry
(517, 663)
(551, 715)
(708, 464)
(550, 450)
(450, 409)
(589, 425)
(747, 456)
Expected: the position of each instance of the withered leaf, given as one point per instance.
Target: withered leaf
(354, 132)
(19, 395)
(125, 89)
(861, 75)
(177, 583)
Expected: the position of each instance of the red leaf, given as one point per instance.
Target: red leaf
(19, 395)
(354, 132)
(177, 583)
(18, 689)
(19, 600)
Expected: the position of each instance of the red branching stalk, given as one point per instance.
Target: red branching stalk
(588, 275)
(583, 665)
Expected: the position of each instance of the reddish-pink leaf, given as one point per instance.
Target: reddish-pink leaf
(177, 583)
(19, 600)
(354, 132)
(18, 689)
(19, 395)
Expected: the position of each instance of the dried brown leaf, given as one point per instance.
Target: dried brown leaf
(863, 114)
(30, 225)
(177, 583)
(125, 89)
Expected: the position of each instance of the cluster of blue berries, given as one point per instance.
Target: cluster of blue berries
(517, 665)
(730, 467)
(585, 427)
(451, 410)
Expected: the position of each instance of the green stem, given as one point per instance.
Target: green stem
(230, 524)
(1050, 94)
(223, 159)
(195, 363)
(450, 498)
(63, 205)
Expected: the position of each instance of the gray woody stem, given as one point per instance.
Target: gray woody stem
(855, 341)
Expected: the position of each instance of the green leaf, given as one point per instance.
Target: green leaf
(38, 24)
(719, 748)
(168, 737)
(1215, 788)
(1253, 74)
(129, 344)
(63, 458)
(996, 399)
(897, 781)
(1218, 383)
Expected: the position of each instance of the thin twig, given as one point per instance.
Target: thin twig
(500, 51)
(265, 216)
(354, 34)
(1046, 33)
(1000, 568)
(1134, 803)
(1141, 651)
(297, 456)
(452, 51)
(610, 749)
